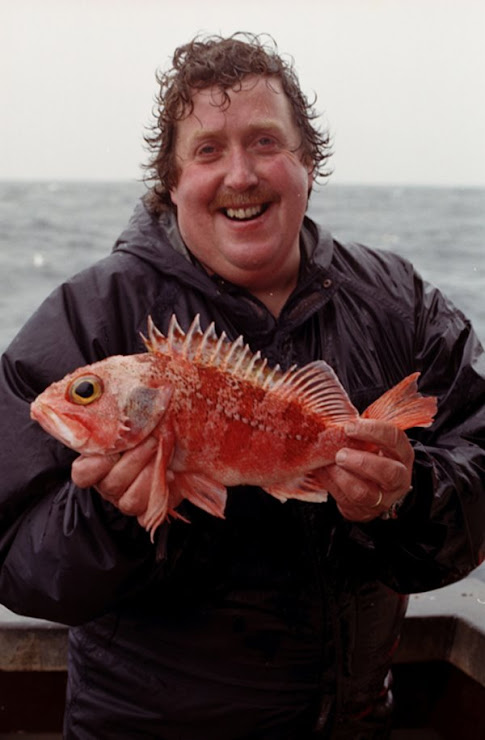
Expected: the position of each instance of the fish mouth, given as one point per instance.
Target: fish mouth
(66, 429)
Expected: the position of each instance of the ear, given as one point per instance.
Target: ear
(311, 177)
(174, 195)
(307, 161)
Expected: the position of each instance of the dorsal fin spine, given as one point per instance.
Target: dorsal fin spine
(242, 359)
(208, 337)
(269, 380)
(233, 348)
(261, 370)
(250, 368)
(215, 359)
(175, 333)
(191, 337)
(155, 337)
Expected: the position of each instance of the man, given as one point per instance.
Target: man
(279, 621)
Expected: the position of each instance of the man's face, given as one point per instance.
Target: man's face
(242, 186)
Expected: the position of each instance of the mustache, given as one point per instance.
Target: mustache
(229, 199)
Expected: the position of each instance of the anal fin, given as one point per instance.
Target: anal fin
(304, 488)
(201, 491)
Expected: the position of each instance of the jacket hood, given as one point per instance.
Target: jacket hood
(156, 240)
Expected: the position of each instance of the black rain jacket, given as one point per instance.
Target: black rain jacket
(281, 619)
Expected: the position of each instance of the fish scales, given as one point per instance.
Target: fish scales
(222, 417)
(227, 415)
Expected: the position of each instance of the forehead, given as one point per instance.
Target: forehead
(258, 101)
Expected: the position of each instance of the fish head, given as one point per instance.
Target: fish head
(109, 406)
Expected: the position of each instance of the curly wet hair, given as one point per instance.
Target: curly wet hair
(224, 62)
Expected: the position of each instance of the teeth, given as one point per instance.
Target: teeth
(243, 213)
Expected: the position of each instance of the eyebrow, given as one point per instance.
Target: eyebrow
(262, 125)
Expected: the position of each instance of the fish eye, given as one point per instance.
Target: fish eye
(85, 389)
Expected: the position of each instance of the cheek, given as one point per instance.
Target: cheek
(297, 192)
(291, 175)
(195, 186)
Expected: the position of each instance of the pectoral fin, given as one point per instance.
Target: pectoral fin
(158, 501)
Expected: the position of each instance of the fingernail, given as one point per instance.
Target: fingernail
(341, 456)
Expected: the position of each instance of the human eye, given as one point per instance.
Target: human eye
(207, 150)
(266, 143)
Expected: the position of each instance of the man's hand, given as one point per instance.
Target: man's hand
(123, 480)
(366, 484)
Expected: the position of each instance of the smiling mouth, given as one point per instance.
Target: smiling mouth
(245, 214)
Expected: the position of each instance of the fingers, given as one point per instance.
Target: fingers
(125, 472)
(365, 484)
(135, 499)
(357, 499)
(123, 480)
(387, 474)
(392, 441)
(88, 470)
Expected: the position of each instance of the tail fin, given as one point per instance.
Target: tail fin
(404, 406)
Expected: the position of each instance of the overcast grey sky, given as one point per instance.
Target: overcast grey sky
(401, 82)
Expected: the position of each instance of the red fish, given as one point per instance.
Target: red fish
(222, 417)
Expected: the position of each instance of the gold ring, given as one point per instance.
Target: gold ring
(379, 501)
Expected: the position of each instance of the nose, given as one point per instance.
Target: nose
(241, 173)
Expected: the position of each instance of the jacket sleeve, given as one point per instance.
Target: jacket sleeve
(438, 535)
(65, 554)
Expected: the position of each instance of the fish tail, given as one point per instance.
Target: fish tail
(404, 406)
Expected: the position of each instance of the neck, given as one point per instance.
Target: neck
(275, 298)
(272, 290)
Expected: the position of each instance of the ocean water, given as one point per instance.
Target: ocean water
(51, 230)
